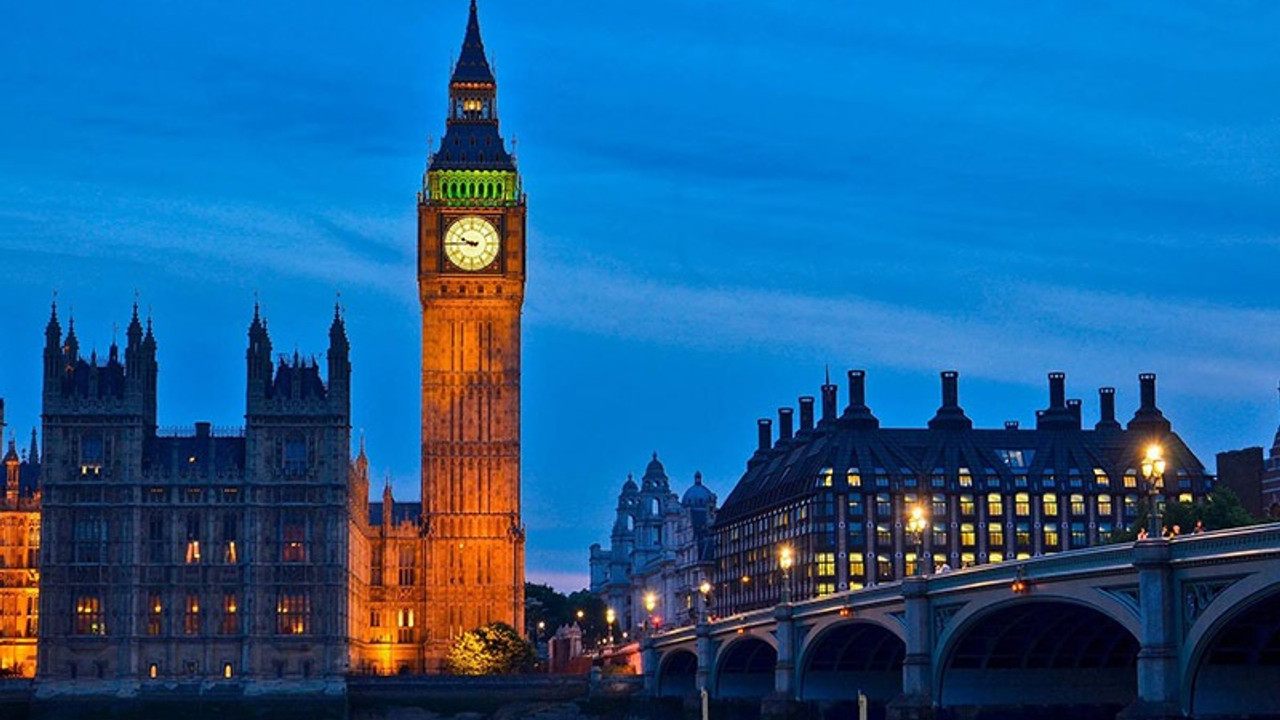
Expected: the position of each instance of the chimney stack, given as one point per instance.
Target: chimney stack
(1107, 409)
(806, 413)
(950, 389)
(857, 388)
(1057, 390)
(764, 435)
(784, 423)
(1011, 424)
(829, 402)
(1073, 406)
(950, 416)
(1147, 396)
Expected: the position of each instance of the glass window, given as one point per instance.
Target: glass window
(855, 506)
(884, 537)
(1022, 505)
(408, 565)
(293, 538)
(1078, 536)
(1051, 539)
(90, 619)
(995, 536)
(967, 505)
(825, 564)
(939, 506)
(965, 478)
(884, 507)
(1077, 505)
(1050, 504)
(155, 614)
(854, 478)
(293, 612)
(191, 619)
(1104, 506)
(995, 505)
(968, 535)
(1100, 478)
(230, 614)
(940, 535)
(857, 569)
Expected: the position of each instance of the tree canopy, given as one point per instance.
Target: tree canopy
(493, 649)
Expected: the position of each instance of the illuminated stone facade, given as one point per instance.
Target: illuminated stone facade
(839, 491)
(212, 556)
(471, 276)
(19, 558)
(661, 543)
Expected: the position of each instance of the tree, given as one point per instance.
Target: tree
(553, 609)
(1220, 509)
(494, 649)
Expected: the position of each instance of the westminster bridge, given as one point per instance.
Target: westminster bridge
(1188, 626)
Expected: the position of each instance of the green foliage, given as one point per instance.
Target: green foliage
(553, 609)
(494, 649)
(1220, 509)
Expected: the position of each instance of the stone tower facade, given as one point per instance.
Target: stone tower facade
(471, 276)
(209, 555)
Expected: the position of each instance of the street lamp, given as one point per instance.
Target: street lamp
(704, 590)
(785, 561)
(650, 602)
(1153, 466)
(609, 617)
(917, 525)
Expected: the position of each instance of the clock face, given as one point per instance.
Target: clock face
(471, 243)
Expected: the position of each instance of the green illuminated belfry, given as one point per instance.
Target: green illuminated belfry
(472, 164)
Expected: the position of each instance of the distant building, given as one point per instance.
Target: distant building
(209, 555)
(661, 543)
(1241, 471)
(840, 491)
(1254, 478)
(19, 557)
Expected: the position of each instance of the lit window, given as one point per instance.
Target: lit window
(1104, 507)
(966, 480)
(1022, 505)
(92, 454)
(155, 615)
(884, 568)
(995, 505)
(293, 537)
(857, 568)
(1100, 478)
(1185, 498)
(1051, 540)
(968, 536)
(939, 506)
(1131, 479)
(854, 478)
(226, 670)
(968, 559)
(1077, 505)
(1022, 535)
(191, 618)
(967, 505)
(995, 536)
(824, 477)
(153, 670)
(910, 563)
(89, 616)
(826, 588)
(825, 564)
(193, 552)
(230, 618)
(293, 613)
(1050, 502)
(995, 557)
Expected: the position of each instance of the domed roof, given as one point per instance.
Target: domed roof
(698, 494)
(655, 475)
(629, 487)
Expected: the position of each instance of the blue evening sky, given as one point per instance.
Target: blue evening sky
(724, 199)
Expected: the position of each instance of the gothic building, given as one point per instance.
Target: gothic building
(471, 276)
(19, 557)
(200, 554)
(840, 490)
(661, 544)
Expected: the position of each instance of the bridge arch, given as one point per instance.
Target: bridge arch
(1231, 663)
(855, 655)
(1046, 650)
(745, 667)
(678, 673)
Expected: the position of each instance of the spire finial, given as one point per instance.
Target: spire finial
(828, 370)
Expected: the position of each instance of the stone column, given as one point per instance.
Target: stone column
(781, 704)
(649, 664)
(705, 657)
(916, 700)
(1158, 681)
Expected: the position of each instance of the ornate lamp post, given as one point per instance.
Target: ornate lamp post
(785, 561)
(609, 617)
(1153, 466)
(650, 602)
(704, 592)
(916, 525)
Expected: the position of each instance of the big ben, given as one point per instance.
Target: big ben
(471, 275)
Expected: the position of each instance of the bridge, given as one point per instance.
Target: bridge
(1159, 628)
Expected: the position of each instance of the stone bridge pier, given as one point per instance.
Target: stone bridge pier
(1156, 629)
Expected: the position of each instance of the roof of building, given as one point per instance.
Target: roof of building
(200, 454)
(909, 458)
(400, 512)
(473, 65)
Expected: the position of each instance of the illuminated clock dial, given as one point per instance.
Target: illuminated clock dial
(471, 243)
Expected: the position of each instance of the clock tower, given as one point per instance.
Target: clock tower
(471, 272)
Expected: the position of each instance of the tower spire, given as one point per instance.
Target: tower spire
(472, 65)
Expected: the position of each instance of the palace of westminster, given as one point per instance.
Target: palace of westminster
(254, 555)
